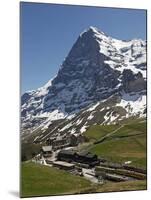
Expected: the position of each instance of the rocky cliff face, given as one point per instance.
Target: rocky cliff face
(96, 68)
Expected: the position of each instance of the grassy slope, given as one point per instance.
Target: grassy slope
(119, 149)
(95, 132)
(40, 180)
(122, 186)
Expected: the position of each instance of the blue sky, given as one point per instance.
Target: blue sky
(48, 31)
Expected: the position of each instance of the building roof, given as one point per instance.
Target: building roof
(86, 154)
(67, 152)
(61, 163)
(47, 148)
(90, 155)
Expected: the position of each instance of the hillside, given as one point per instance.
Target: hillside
(121, 143)
(39, 180)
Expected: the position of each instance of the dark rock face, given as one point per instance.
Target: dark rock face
(25, 97)
(84, 76)
(133, 82)
(83, 61)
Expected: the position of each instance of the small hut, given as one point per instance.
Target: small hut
(46, 151)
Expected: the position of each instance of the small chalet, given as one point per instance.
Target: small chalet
(84, 158)
(58, 142)
(61, 142)
(46, 151)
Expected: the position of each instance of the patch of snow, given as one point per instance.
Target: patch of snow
(36, 138)
(90, 116)
(94, 29)
(113, 117)
(133, 68)
(42, 91)
(79, 121)
(55, 115)
(83, 129)
(128, 162)
(133, 104)
(73, 131)
(120, 44)
(93, 107)
(107, 107)
(66, 127)
(109, 118)
(106, 117)
(71, 116)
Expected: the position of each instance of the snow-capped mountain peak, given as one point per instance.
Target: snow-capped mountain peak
(93, 30)
(96, 68)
